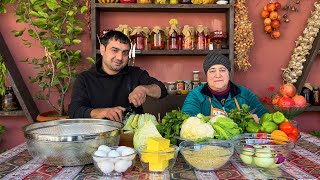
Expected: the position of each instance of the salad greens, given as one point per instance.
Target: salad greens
(241, 117)
(171, 124)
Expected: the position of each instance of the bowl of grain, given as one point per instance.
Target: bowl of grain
(206, 156)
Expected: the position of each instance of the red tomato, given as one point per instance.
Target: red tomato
(295, 131)
(286, 127)
(293, 137)
(261, 135)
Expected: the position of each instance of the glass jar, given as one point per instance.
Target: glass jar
(184, 1)
(171, 87)
(144, 1)
(174, 41)
(187, 85)
(174, 2)
(158, 40)
(180, 86)
(128, 1)
(195, 84)
(307, 93)
(201, 41)
(9, 100)
(160, 1)
(316, 96)
(140, 40)
(196, 76)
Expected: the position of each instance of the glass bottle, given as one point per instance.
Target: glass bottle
(201, 41)
(188, 38)
(158, 39)
(9, 101)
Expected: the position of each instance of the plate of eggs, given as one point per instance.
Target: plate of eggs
(113, 161)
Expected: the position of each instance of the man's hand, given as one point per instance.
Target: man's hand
(115, 113)
(256, 118)
(138, 96)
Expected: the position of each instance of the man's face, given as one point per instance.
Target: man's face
(218, 77)
(115, 56)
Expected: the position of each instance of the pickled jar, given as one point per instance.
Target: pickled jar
(187, 85)
(188, 38)
(158, 40)
(180, 86)
(144, 1)
(307, 93)
(184, 1)
(140, 40)
(174, 2)
(174, 41)
(196, 76)
(195, 84)
(316, 96)
(201, 41)
(172, 87)
(160, 1)
(9, 100)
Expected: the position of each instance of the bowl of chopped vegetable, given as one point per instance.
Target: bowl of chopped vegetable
(262, 151)
(206, 156)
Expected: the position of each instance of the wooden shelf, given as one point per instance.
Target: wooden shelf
(178, 52)
(12, 113)
(313, 108)
(192, 8)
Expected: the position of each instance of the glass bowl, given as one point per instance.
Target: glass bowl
(206, 156)
(260, 151)
(160, 161)
(111, 164)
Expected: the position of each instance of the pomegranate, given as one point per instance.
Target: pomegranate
(268, 29)
(275, 34)
(299, 101)
(271, 7)
(287, 90)
(267, 22)
(273, 15)
(275, 24)
(285, 103)
(265, 14)
(275, 99)
(277, 5)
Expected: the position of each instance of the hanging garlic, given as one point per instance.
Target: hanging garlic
(303, 46)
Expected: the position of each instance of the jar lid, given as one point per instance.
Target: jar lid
(195, 71)
(171, 82)
(179, 81)
(187, 81)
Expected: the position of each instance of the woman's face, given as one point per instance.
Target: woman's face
(218, 77)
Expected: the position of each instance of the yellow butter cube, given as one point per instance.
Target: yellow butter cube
(159, 166)
(157, 143)
(151, 157)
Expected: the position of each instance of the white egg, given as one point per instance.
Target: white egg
(122, 165)
(101, 153)
(127, 151)
(113, 153)
(104, 148)
(120, 149)
(106, 166)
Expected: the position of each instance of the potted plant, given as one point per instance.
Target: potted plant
(57, 28)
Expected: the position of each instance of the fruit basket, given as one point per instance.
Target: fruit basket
(260, 151)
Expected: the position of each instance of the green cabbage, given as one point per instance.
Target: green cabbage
(142, 134)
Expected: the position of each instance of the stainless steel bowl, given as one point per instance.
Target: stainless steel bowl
(70, 142)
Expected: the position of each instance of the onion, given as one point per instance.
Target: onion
(280, 158)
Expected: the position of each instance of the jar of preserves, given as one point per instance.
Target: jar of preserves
(180, 86)
(174, 2)
(160, 2)
(188, 38)
(172, 87)
(201, 37)
(9, 100)
(128, 1)
(139, 37)
(144, 1)
(184, 1)
(125, 29)
(157, 39)
(196, 76)
(173, 33)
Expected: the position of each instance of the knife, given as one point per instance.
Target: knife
(133, 53)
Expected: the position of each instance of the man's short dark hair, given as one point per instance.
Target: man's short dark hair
(115, 35)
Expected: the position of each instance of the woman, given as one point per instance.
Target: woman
(219, 95)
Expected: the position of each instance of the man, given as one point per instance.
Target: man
(106, 90)
(220, 95)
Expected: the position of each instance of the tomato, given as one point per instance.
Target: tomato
(261, 135)
(286, 127)
(293, 137)
(295, 131)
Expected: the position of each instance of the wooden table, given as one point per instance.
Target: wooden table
(304, 164)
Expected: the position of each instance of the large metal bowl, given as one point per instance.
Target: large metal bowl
(70, 142)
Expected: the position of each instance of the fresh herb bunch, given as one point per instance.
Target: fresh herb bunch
(171, 125)
(241, 117)
(3, 73)
(2, 129)
(315, 133)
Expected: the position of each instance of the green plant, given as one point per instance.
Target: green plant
(57, 26)
(3, 73)
(4, 2)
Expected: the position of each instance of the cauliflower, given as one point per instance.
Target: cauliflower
(194, 128)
